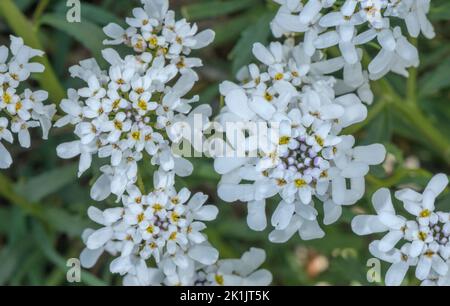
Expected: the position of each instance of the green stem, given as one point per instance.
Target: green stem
(7, 192)
(24, 28)
(397, 177)
(140, 183)
(414, 116)
(40, 9)
(411, 96)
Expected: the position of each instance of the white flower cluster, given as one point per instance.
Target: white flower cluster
(226, 272)
(300, 153)
(131, 109)
(424, 241)
(20, 109)
(166, 226)
(352, 23)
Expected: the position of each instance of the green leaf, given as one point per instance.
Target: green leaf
(436, 80)
(380, 129)
(65, 222)
(24, 4)
(43, 242)
(11, 257)
(45, 184)
(438, 13)
(5, 219)
(215, 8)
(99, 15)
(241, 55)
(228, 31)
(88, 34)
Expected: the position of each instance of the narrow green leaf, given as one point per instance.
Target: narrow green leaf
(99, 15)
(43, 242)
(257, 32)
(88, 34)
(65, 222)
(37, 188)
(436, 80)
(215, 8)
(228, 31)
(439, 13)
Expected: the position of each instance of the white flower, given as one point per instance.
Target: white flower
(164, 225)
(20, 109)
(346, 24)
(225, 272)
(129, 110)
(297, 151)
(426, 237)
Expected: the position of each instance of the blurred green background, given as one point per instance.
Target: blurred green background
(43, 204)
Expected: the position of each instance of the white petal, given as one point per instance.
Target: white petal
(396, 273)
(256, 217)
(332, 212)
(367, 224)
(204, 254)
(98, 238)
(311, 230)
(237, 102)
(372, 155)
(88, 257)
(282, 215)
(262, 54)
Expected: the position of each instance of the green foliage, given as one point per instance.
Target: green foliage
(43, 204)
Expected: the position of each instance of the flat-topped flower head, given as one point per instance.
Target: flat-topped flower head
(20, 109)
(296, 150)
(165, 226)
(351, 23)
(422, 241)
(244, 271)
(153, 29)
(136, 107)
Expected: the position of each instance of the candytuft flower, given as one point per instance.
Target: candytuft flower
(165, 226)
(298, 151)
(351, 23)
(20, 109)
(132, 109)
(421, 242)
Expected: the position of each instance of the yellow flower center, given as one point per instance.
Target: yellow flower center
(173, 236)
(153, 41)
(425, 213)
(279, 76)
(284, 140)
(175, 217)
(422, 236)
(157, 207)
(118, 125)
(299, 183)
(136, 135)
(142, 105)
(6, 98)
(219, 279)
(320, 141)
